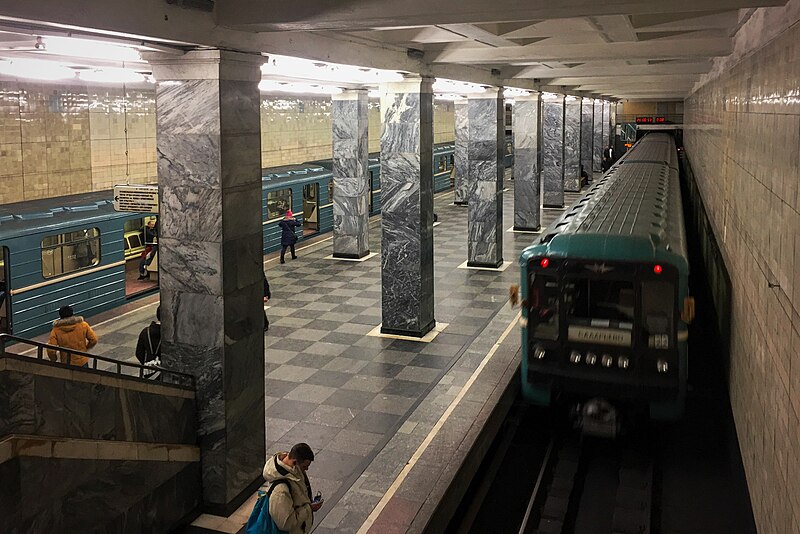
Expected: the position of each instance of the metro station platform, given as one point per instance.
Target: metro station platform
(390, 420)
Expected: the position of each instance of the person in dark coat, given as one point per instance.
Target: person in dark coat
(288, 237)
(267, 296)
(148, 348)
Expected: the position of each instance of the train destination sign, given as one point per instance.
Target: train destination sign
(651, 120)
(140, 198)
(603, 336)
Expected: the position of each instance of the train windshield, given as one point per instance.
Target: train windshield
(602, 303)
(543, 307)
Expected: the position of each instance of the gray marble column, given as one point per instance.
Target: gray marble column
(606, 124)
(572, 144)
(527, 201)
(208, 139)
(407, 207)
(597, 153)
(461, 160)
(553, 150)
(486, 151)
(350, 174)
(587, 134)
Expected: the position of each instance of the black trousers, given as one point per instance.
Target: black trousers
(283, 251)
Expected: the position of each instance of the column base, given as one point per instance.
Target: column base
(350, 256)
(225, 510)
(410, 333)
(526, 229)
(485, 265)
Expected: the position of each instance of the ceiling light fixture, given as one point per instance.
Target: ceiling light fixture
(112, 75)
(511, 92)
(320, 71)
(36, 69)
(88, 49)
(267, 86)
(443, 85)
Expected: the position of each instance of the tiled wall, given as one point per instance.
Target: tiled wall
(67, 139)
(742, 136)
(294, 130)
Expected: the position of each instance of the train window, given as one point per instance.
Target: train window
(442, 164)
(69, 252)
(543, 307)
(600, 302)
(278, 203)
(658, 303)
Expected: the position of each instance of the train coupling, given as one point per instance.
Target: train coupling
(598, 417)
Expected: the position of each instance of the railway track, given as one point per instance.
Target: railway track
(592, 485)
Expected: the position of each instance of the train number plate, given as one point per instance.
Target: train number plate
(603, 336)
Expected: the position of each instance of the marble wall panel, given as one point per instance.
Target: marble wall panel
(212, 311)
(587, 135)
(350, 175)
(527, 200)
(742, 135)
(461, 161)
(606, 123)
(597, 152)
(552, 173)
(485, 152)
(407, 207)
(572, 144)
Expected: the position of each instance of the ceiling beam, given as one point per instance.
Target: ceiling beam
(666, 49)
(622, 79)
(616, 67)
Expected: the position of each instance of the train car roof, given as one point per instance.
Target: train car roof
(290, 174)
(50, 214)
(634, 213)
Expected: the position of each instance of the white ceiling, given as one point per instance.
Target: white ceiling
(626, 49)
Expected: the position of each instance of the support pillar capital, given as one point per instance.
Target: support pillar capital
(206, 65)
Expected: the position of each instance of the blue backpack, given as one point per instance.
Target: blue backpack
(260, 522)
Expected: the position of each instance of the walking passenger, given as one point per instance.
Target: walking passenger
(148, 348)
(70, 331)
(291, 505)
(288, 237)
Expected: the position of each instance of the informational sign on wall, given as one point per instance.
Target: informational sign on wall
(136, 198)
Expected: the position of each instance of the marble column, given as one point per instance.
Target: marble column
(597, 153)
(461, 160)
(572, 144)
(208, 139)
(527, 200)
(486, 149)
(553, 150)
(407, 207)
(587, 134)
(606, 124)
(350, 174)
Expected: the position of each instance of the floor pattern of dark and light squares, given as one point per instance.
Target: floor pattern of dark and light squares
(348, 394)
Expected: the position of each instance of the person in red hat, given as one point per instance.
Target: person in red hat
(288, 237)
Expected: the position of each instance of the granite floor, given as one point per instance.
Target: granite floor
(345, 393)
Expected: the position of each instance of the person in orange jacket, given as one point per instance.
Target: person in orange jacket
(71, 332)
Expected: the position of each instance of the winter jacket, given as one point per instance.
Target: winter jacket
(149, 345)
(287, 231)
(289, 504)
(267, 292)
(71, 333)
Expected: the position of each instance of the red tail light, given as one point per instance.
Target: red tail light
(658, 269)
(544, 263)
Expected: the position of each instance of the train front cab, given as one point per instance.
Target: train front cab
(609, 330)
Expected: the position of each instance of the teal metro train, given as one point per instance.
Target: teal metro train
(605, 292)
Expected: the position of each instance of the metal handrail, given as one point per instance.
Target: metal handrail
(165, 376)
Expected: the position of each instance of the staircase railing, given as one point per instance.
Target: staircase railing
(151, 372)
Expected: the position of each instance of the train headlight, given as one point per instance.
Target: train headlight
(662, 366)
(623, 362)
(591, 358)
(575, 356)
(538, 352)
(607, 360)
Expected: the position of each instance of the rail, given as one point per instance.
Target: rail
(150, 372)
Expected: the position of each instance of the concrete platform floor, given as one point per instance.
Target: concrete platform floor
(366, 404)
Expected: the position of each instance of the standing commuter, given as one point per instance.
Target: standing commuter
(148, 348)
(151, 246)
(70, 331)
(288, 237)
(291, 505)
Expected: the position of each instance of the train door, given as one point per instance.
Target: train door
(5, 292)
(310, 209)
(139, 241)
